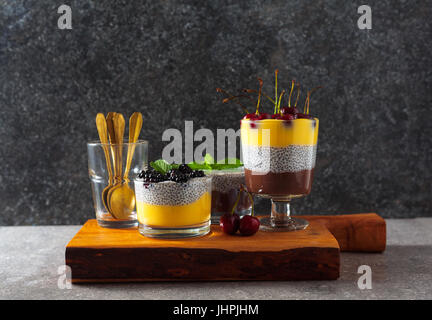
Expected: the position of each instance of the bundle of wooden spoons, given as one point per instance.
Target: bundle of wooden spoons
(118, 197)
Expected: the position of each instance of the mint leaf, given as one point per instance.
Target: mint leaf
(161, 166)
(233, 161)
(209, 164)
(228, 163)
(208, 159)
(199, 166)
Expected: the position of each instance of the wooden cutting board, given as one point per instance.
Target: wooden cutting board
(98, 254)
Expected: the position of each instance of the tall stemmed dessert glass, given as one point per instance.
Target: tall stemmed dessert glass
(279, 153)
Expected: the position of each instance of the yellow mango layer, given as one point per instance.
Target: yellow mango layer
(276, 133)
(175, 216)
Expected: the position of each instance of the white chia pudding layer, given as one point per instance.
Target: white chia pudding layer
(226, 180)
(293, 158)
(170, 193)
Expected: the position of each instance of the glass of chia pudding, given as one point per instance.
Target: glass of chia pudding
(279, 160)
(173, 205)
(225, 190)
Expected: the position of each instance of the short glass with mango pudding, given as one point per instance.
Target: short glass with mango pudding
(279, 153)
(173, 201)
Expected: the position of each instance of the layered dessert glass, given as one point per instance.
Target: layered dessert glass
(226, 185)
(279, 160)
(169, 209)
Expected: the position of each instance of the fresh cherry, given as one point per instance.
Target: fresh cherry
(276, 116)
(263, 116)
(249, 116)
(289, 110)
(249, 225)
(289, 116)
(230, 223)
(303, 116)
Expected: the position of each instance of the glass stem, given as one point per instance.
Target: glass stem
(280, 213)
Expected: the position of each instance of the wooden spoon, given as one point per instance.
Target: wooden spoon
(101, 125)
(122, 198)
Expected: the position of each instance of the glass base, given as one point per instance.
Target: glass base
(117, 224)
(280, 219)
(291, 224)
(174, 233)
(215, 216)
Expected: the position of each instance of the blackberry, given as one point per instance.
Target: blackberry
(177, 176)
(193, 174)
(196, 174)
(182, 178)
(151, 176)
(180, 175)
(184, 168)
(173, 172)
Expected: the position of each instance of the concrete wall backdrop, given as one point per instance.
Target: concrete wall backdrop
(165, 59)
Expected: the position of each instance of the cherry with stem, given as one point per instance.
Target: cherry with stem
(262, 93)
(279, 101)
(249, 224)
(292, 88)
(276, 92)
(308, 98)
(237, 97)
(231, 98)
(259, 95)
(298, 95)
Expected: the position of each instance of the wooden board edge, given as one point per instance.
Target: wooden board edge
(325, 270)
(369, 234)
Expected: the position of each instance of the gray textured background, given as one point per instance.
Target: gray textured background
(165, 59)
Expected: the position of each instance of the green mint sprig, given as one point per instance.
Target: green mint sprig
(163, 166)
(210, 164)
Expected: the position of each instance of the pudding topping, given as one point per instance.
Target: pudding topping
(163, 171)
(286, 112)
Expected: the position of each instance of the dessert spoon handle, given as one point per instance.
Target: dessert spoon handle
(112, 138)
(135, 125)
(119, 126)
(101, 125)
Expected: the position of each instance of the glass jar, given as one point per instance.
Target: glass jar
(111, 168)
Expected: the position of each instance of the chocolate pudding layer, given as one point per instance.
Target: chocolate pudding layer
(281, 183)
(223, 202)
(225, 189)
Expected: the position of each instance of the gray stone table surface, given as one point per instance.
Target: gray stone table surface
(30, 258)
